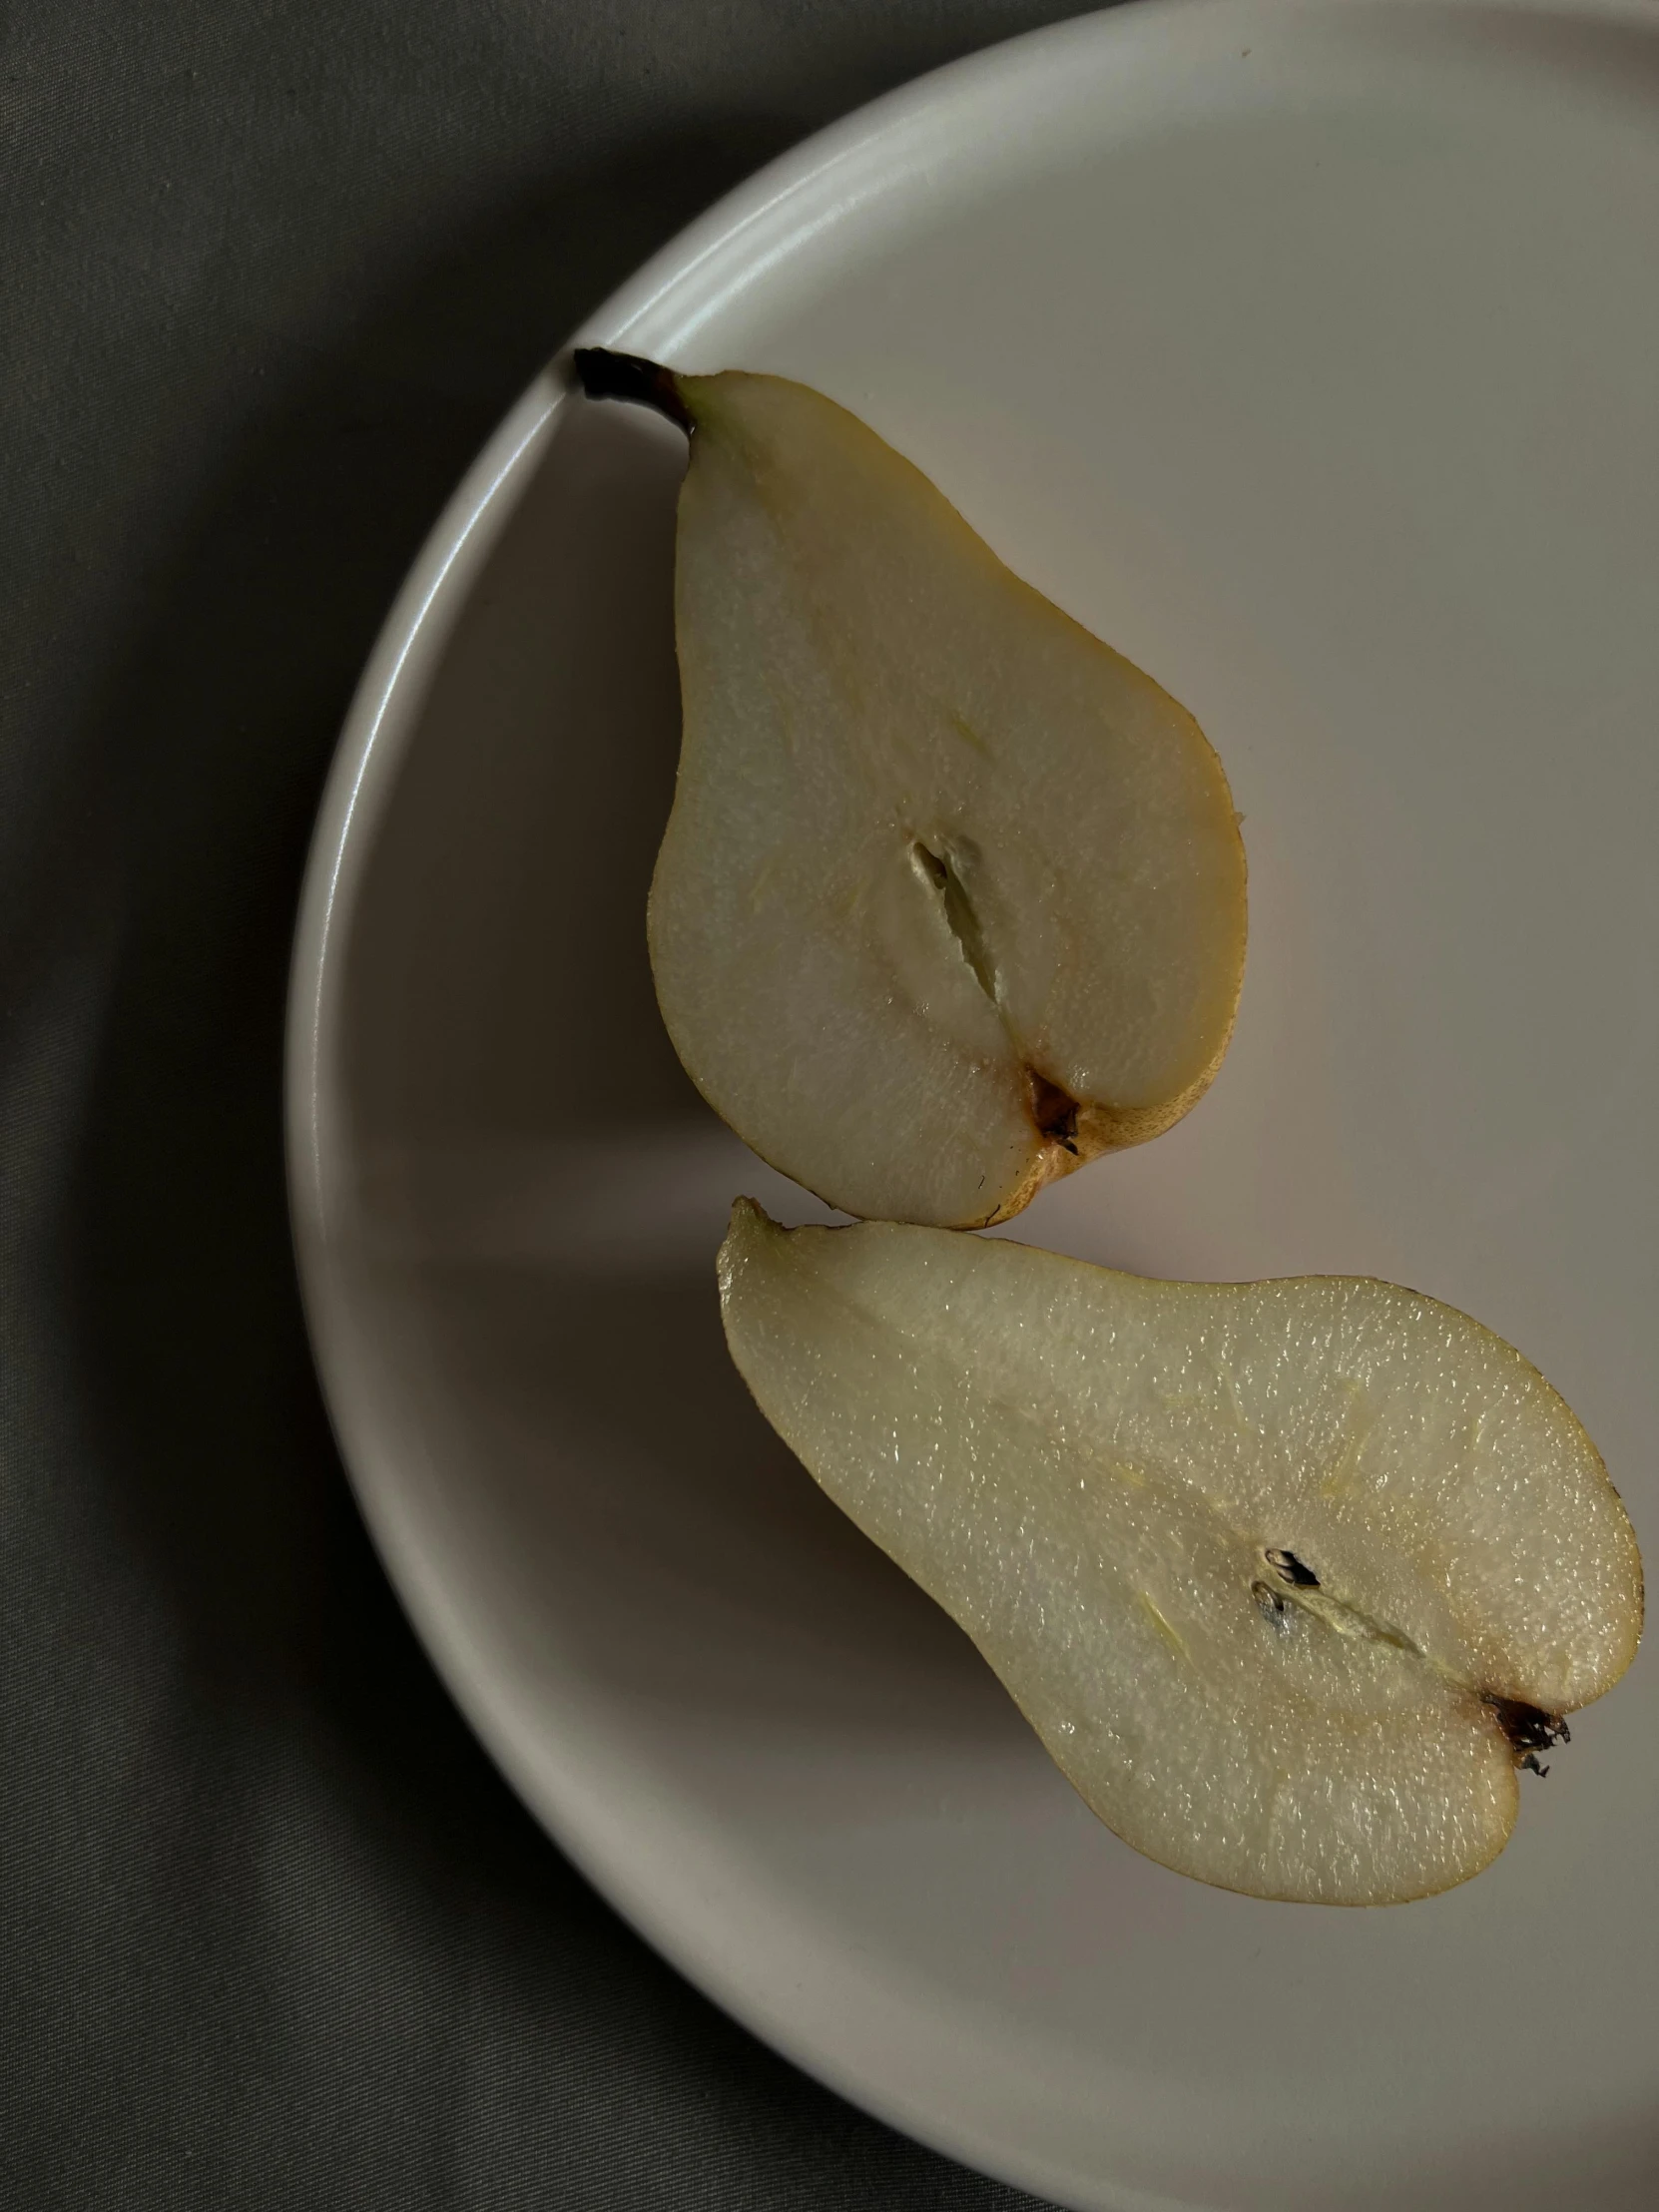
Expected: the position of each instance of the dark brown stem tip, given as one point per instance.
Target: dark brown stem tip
(1528, 1729)
(1054, 1112)
(606, 375)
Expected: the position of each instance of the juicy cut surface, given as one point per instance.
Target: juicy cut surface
(952, 896)
(1285, 1575)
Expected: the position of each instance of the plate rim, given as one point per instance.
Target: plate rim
(755, 218)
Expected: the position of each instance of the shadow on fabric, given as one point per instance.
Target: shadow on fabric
(308, 1719)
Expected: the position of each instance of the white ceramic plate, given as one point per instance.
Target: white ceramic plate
(1308, 355)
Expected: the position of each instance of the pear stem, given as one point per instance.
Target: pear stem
(603, 374)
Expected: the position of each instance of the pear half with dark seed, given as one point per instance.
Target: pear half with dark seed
(1289, 1577)
(952, 895)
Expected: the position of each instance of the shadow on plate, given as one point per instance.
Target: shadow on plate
(540, 1192)
(178, 846)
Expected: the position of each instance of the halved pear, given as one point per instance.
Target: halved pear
(1288, 1576)
(952, 896)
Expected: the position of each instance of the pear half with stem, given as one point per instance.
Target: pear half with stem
(952, 895)
(1289, 1577)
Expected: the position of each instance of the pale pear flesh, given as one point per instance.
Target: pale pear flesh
(952, 895)
(1286, 1576)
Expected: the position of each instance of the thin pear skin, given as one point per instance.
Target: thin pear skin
(952, 895)
(1288, 1576)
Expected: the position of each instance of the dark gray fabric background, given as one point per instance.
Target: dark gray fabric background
(274, 1932)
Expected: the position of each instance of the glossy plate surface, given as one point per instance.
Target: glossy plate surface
(1306, 353)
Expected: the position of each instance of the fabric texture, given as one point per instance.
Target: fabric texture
(274, 1932)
